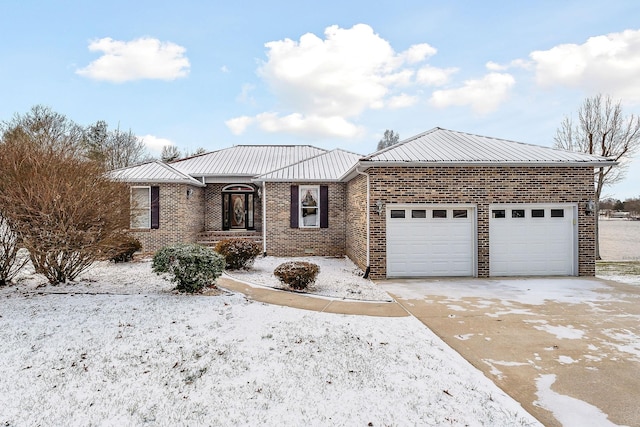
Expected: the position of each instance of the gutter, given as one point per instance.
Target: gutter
(264, 218)
(368, 270)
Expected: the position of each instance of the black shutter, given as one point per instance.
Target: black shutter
(294, 206)
(155, 207)
(324, 206)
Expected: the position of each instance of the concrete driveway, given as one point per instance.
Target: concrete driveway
(568, 349)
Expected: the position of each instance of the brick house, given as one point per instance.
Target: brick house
(441, 203)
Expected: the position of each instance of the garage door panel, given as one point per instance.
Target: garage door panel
(532, 245)
(421, 247)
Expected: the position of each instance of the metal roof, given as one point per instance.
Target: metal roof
(442, 146)
(155, 171)
(246, 160)
(330, 166)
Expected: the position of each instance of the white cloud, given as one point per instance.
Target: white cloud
(483, 95)
(402, 101)
(310, 126)
(225, 69)
(143, 58)
(327, 82)
(608, 64)
(154, 144)
(516, 63)
(238, 125)
(433, 76)
(245, 94)
(419, 52)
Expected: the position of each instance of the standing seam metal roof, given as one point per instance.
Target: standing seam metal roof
(155, 171)
(330, 166)
(445, 146)
(248, 160)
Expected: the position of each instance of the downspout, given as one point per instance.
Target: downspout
(264, 218)
(368, 270)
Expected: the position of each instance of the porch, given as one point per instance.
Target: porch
(211, 238)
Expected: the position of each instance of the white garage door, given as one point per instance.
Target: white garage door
(430, 241)
(532, 240)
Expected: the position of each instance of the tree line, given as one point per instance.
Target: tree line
(631, 205)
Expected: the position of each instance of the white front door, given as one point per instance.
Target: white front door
(532, 240)
(430, 241)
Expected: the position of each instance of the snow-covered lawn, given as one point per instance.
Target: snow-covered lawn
(338, 278)
(121, 348)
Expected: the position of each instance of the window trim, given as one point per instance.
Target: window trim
(301, 190)
(133, 209)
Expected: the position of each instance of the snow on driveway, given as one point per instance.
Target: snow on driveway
(141, 354)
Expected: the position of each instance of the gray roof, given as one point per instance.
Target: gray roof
(155, 171)
(442, 146)
(330, 166)
(246, 160)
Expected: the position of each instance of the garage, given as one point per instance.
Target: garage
(430, 240)
(532, 240)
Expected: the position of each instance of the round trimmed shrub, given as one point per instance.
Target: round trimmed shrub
(126, 245)
(297, 275)
(190, 266)
(238, 253)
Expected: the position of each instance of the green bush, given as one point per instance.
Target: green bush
(190, 266)
(238, 253)
(297, 274)
(126, 246)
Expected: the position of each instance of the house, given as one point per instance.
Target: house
(441, 203)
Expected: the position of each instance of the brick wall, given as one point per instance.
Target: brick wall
(282, 240)
(181, 218)
(480, 186)
(356, 220)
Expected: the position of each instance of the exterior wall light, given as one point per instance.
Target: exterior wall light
(379, 206)
(189, 192)
(590, 207)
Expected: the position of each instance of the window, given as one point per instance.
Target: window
(309, 206)
(140, 207)
(498, 213)
(459, 213)
(557, 213)
(439, 213)
(396, 213)
(517, 213)
(418, 213)
(537, 213)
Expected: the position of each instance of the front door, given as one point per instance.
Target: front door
(237, 210)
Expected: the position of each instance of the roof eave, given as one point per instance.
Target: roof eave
(570, 163)
(195, 183)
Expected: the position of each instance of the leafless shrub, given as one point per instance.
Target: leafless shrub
(9, 246)
(62, 206)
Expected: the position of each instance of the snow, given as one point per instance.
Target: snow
(120, 347)
(568, 410)
(338, 278)
(531, 291)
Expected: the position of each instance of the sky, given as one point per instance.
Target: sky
(334, 74)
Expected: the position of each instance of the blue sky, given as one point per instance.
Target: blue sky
(333, 74)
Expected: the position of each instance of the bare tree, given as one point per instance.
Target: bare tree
(114, 149)
(62, 206)
(390, 138)
(170, 153)
(603, 130)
